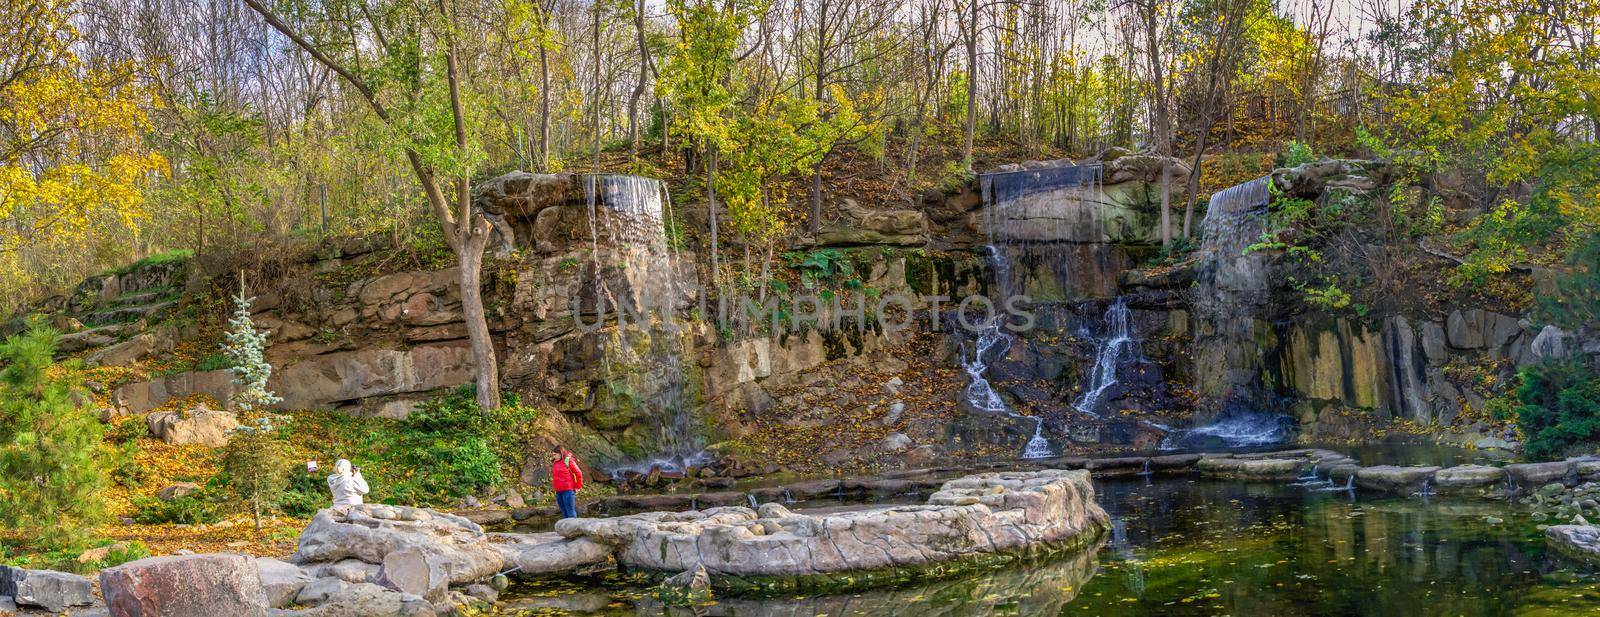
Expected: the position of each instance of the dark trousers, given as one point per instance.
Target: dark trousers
(568, 502)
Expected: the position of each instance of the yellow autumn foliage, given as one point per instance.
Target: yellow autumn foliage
(73, 163)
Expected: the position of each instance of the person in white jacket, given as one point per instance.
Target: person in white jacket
(346, 484)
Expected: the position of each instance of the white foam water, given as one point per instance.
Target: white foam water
(981, 395)
(1103, 376)
(1239, 430)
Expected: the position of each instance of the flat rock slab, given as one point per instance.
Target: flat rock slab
(549, 553)
(204, 585)
(1117, 466)
(633, 503)
(1325, 466)
(1578, 542)
(1468, 478)
(1251, 468)
(1174, 461)
(47, 589)
(1529, 476)
(1393, 479)
(880, 486)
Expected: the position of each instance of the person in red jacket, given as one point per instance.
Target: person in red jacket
(567, 479)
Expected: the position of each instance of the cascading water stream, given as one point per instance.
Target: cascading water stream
(1019, 227)
(635, 275)
(1103, 375)
(981, 395)
(1232, 297)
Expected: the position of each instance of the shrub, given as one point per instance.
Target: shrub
(122, 447)
(1560, 408)
(1296, 154)
(1574, 297)
(199, 507)
(119, 553)
(451, 448)
(304, 495)
(256, 463)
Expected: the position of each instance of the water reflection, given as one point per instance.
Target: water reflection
(1197, 547)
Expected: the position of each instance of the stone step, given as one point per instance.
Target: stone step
(148, 312)
(96, 337)
(139, 298)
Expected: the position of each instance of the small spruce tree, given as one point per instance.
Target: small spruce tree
(256, 458)
(243, 345)
(51, 468)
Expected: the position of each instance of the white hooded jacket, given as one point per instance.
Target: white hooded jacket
(347, 487)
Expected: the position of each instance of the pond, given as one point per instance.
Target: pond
(1187, 546)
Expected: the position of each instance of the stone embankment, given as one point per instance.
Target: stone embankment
(978, 519)
(380, 560)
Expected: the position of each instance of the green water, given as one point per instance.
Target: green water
(1185, 546)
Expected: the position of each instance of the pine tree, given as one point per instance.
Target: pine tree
(256, 458)
(51, 470)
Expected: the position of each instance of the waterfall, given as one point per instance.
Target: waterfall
(1049, 227)
(1036, 221)
(647, 361)
(1104, 374)
(1038, 446)
(1233, 293)
(1235, 430)
(1233, 289)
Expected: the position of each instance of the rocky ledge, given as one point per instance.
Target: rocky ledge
(973, 520)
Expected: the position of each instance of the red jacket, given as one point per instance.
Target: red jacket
(565, 475)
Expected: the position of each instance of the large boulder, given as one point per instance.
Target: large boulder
(1553, 342)
(371, 532)
(281, 581)
(1578, 542)
(199, 426)
(871, 226)
(337, 378)
(1529, 476)
(204, 585)
(132, 350)
(47, 589)
(177, 490)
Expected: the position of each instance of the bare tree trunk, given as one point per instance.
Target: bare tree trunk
(544, 98)
(596, 99)
(822, 59)
(1162, 121)
(644, 76)
(972, 87)
(471, 238)
(470, 281)
(711, 209)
